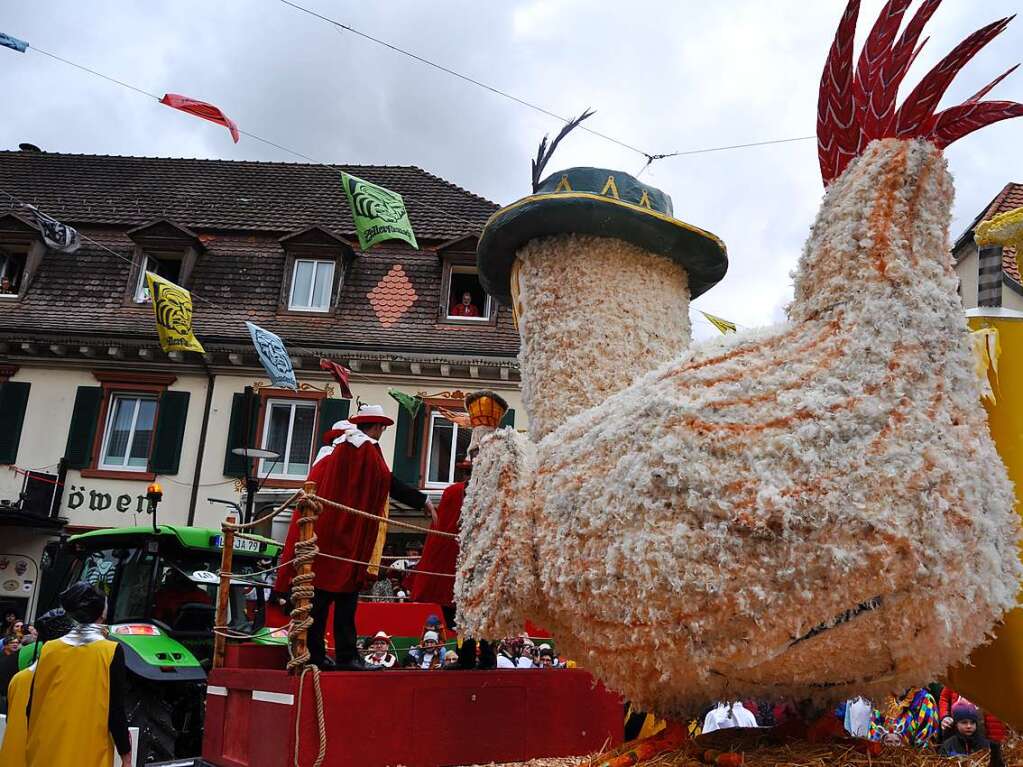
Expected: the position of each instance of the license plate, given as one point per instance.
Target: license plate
(240, 544)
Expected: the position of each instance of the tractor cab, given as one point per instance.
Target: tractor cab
(165, 582)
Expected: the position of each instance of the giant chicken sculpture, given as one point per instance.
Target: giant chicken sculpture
(769, 513)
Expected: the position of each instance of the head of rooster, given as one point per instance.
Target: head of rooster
(767, 514)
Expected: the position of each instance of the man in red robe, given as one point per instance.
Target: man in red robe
(356, 475)
(440, 555)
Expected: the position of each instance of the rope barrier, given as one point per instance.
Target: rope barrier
(395, 522)
(250, 577)
(298, 494)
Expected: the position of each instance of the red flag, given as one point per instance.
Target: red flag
(340, 374)
(201, 109)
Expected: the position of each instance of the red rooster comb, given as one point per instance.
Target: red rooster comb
(856, 107)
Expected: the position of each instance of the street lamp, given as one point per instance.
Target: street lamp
(252, 482)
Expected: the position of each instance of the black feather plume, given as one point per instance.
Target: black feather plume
(543, 154)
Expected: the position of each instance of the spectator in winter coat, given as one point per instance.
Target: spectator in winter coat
(965, 740)
(994, 729)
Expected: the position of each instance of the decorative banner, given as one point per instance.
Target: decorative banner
(201, 109)
(56, 235)
(273, 356)
(379, 213)
(721, 324)
(340, 373)
(172, 305)
(13, 43)
(409, 402)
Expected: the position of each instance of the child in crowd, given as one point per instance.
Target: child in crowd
(428, 654)
(965, 740)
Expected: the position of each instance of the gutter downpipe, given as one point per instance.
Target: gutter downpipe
(210, 381)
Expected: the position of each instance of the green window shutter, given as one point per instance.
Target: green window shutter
(82, 432)
(408, 440)
(170, 432)
(234, 465)
(509, 419)
(13, 400)
(332, 411)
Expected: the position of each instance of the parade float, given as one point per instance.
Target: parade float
(763, 515)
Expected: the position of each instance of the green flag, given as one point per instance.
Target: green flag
(379, 213)
(410, 402)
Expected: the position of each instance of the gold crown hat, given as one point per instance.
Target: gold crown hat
(485, 408)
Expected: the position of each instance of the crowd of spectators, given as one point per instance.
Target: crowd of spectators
(936, 718)
(15, 634)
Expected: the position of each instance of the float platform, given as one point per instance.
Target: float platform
(411, 718)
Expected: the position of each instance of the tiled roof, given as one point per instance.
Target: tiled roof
(390, 298)
(227, 194)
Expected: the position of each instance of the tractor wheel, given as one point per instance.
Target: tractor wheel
(148, 710)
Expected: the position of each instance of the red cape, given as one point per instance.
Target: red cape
(356, 477)
(440, 555)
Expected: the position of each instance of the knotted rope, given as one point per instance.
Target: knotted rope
(394, 522)
(302, 584)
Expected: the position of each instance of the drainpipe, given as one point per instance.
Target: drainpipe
(210, 380)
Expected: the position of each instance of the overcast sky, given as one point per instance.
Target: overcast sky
(663, 76)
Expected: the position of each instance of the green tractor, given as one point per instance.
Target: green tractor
(161, 584)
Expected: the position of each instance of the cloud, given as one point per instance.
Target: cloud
(663, 76)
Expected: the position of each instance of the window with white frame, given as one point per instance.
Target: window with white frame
(288, 431)
(12, 266)
(466, 298)
(128, 434)
(168, 267)
(448, 444)
(311, 284)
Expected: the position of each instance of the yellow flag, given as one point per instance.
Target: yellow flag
(172, 305)
(723, 325)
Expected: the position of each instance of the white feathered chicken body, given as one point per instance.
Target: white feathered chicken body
(812, 510)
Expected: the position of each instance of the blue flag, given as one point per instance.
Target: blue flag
(273, 356)
(13, 43)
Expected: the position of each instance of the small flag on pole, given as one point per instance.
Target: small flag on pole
(172, 305)
(340, 373)
(201, 109)
(56, 235)
(721, 324)
(379, 213)
(273, 356)
(409, 402)
(13, 43)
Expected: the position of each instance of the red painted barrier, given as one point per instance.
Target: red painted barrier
(411, 718)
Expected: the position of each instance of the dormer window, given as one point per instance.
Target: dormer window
(167, 266)
(312, 283)
(315, 263)
(12, 268)
(466, 299)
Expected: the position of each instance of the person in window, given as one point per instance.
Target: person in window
(354, 475)
(6, 287)
(466, 308)
(76, 709)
